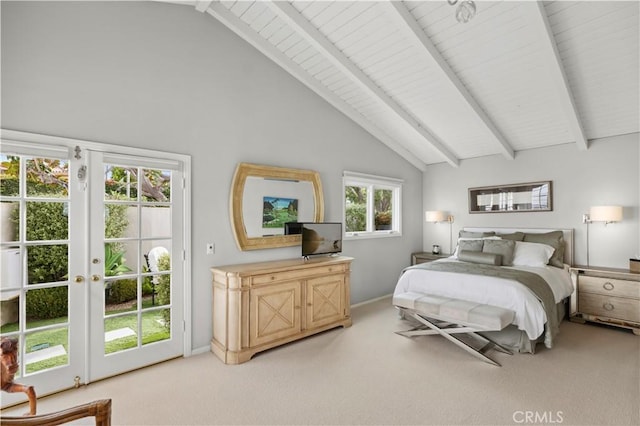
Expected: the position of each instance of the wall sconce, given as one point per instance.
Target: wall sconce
(606, 214)
(435, 216)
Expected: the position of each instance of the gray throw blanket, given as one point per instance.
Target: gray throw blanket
(532, 281)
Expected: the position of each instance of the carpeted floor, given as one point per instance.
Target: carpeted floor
(367, 374)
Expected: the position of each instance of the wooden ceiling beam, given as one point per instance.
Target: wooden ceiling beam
(236, 25)
(313, 36)
(537, 17)
(407, 23)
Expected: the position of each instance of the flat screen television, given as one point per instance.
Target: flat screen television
(321, 238)
(292, 228)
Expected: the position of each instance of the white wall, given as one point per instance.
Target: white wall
(606, 173)
(166, 77)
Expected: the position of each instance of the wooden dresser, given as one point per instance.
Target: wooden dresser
(257, 306)
(606, 295)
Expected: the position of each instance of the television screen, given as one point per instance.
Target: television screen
(321, 238)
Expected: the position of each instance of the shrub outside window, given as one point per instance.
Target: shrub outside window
(372, 206)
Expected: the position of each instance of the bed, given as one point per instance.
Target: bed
(535, 291)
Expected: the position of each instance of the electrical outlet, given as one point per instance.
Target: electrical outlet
(211, 248)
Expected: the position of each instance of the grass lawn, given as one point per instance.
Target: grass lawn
(153, 330)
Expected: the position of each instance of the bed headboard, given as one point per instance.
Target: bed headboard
(567, 234)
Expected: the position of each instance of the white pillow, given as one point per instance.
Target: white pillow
(532, 254)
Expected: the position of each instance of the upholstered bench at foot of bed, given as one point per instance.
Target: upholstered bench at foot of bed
(446, 316)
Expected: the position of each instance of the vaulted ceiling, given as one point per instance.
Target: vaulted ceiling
(517, 76)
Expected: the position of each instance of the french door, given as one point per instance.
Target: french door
(93, 261)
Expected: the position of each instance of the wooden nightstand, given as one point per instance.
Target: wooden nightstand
(606, 295)
(425, 256)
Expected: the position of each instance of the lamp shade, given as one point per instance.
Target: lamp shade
(605, 213)
(435, 216)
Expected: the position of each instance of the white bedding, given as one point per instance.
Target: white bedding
(505, 293)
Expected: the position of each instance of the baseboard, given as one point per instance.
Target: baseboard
(204, 349)
(366, 302)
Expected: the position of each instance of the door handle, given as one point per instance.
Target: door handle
(95, 278)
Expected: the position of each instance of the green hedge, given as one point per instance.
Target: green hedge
(49, 263)
(122, 291)
(163, 288)
(46, 303)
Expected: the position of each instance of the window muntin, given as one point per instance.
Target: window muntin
(372, 205)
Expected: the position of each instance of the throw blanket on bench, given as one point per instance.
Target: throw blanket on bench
(538, 286)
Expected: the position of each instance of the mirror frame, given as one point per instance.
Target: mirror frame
(528, 187)
(245, 170)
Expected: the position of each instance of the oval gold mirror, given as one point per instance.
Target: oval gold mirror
(263, 198)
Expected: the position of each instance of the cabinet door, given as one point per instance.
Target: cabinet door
(275, 312)
(325, 300)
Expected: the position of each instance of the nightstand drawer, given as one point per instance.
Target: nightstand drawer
(609, 286)
(611, 307)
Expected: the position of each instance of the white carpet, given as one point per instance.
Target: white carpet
(367, 374)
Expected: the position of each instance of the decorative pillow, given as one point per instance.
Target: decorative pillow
(469, 234)
(516, 236)
(473, 246)
(504, 248)
(554, 239)
(480, 257)
(532, 254)
(470, 245)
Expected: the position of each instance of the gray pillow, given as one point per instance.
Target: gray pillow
(469, 234)
(470, 245)
(504, 248)
(516, 236)
(555, 239)
(480, 257)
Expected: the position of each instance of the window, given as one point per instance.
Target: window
(372, 206)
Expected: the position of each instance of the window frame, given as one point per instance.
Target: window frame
(372, 183)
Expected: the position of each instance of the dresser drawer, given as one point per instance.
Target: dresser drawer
(295, 274)
(609, 286)
(611, 307)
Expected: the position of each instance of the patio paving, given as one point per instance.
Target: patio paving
(42, 354)
(118, 334)
(53, 351)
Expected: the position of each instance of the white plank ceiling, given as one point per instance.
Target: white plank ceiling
(519, 75)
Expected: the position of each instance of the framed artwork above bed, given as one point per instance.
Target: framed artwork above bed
(520, 197)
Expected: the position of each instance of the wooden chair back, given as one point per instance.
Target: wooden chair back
(100, 409)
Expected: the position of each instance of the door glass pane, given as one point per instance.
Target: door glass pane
(156, 325)
(120, 295)
(47, 263)
(382, 202)
(9, 175)
(155, 221)
(120, 183)
(9, 311)
(46, 306)
(46, 349)
(156, 185)
(10, 221)
(116, 259)
(47, 220)
(47, 177)
(120, 220)
(356, 208)
(120, 333)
